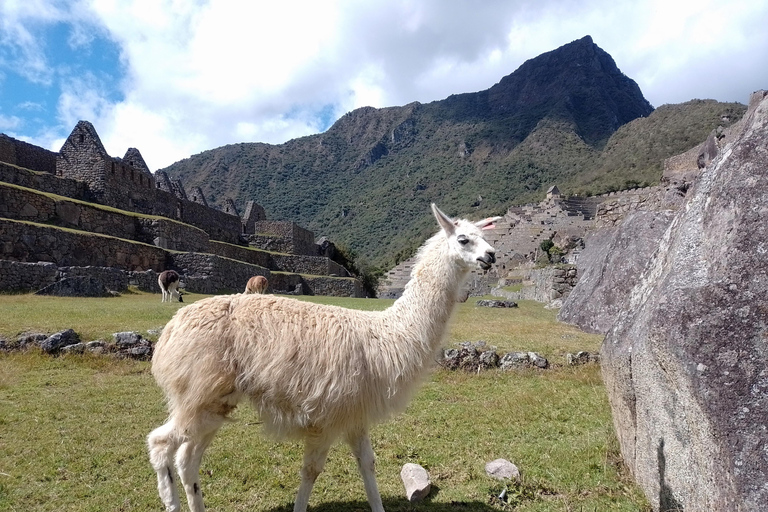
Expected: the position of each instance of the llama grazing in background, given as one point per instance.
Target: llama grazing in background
(313, 372)
(257, 284)
(169, 285)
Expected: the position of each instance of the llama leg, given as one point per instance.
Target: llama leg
(188, 460)
(315, 454)
(163, 443)
(366, 460)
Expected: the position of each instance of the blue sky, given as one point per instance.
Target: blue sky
(174, 78)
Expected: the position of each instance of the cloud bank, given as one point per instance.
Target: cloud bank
(174, 78)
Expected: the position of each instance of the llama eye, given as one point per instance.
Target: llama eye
(463, 240)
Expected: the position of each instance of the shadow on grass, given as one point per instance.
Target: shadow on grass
(396, 505)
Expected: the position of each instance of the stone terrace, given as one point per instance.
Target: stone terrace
(52, 228)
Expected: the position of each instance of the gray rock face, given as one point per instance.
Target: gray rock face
(686, 362)
(610, 266)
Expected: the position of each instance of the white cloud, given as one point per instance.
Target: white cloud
(9, 123)
(201, 74)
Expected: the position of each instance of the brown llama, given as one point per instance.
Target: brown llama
(257, 284)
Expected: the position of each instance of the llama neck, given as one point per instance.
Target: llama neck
(424, 310)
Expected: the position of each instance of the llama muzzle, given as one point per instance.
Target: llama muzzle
(487, 260)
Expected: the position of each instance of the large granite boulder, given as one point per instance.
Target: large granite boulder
(686, 361)
(610, 266)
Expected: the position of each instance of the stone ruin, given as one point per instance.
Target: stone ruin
(517, 238)
(79, 215)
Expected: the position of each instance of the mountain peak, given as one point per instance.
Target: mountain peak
(578, 82)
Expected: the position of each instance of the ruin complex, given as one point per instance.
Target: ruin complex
(80, 211)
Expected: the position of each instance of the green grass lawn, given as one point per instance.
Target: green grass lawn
(73, 428)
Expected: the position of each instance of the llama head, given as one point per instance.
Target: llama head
(466, 240)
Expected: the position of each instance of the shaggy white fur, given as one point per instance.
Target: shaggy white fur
(313, 372)
(256, 284)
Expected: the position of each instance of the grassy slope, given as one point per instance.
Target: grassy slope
(72, 428)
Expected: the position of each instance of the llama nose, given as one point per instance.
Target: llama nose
(491, 256)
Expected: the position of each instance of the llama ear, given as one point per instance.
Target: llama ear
(488, 223)
(445, 221)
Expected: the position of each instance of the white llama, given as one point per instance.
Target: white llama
(256, 284)
(168, 280)
(313, 372)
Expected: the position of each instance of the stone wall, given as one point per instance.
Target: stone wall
(113, 279)
(82, 187)
(617, 206)
(335, 286)
(270, 243)
(541, 284)
(127, 188)
(209, 274)
(43, 182)
(172, 235)
(26, 155)
(297, 239)
(83, 157)
(18, 276)
(238, 252)
(29, 205)
(312, 265)
(26, 241)
(219, 225)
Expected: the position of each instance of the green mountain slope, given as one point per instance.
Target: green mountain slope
(366, 183)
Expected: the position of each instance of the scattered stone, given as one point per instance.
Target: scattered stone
(77, 348)
(496, 303)
(416, 481)
(502, 469)
(581, 358)
(140, 352)
(512, 360)
(59, 340)
(29, 339)
(489, 359)
(470, 357)
(127, 339)
(96, 347)
(538, 360)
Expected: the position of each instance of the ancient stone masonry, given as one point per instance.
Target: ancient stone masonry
(284, 237)
(28, 242)
(81, 208)
(25, 155)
